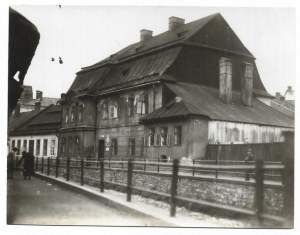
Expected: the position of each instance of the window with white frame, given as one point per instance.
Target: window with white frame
(80, 112)
(67, 116)
(141, 105)
(38, 147)
(52, 147)
(163, 136)
(114, 147)
(105, 110)
(150, 137)
(73, 114)
(113, 110)
(45, 147)
(130, 105)
(18, 146)
(25, 145)
(131, 147)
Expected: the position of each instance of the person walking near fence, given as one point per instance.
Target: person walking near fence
(28, 166)
(248, 161)
(11, 163)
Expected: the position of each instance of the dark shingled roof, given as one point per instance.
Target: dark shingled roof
(204, 101)
(47, 120)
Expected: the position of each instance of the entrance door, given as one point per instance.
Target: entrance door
(31, 146)
(101, 148)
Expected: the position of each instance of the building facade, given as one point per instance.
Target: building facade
(36, 131)
(169, 96)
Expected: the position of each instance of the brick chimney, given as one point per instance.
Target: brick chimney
(175, 22)
(277, 95)
(247, 84)
(39, 95)
(225, 76)
(289, 89)
(37, 106)
(145, 34)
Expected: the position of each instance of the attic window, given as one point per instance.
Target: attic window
(125, 72)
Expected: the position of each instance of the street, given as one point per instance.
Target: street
(38, 202)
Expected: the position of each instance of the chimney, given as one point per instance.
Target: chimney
(225, 90)
(39, 95)
(247, 84)
(277, 95)
(37, 106)
(145, 34)
(62, 96)
(17, 109)
(289, 89)
(175, 22)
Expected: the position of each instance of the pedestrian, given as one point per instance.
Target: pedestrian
(249, 160)
(28, 165)
(11, 163)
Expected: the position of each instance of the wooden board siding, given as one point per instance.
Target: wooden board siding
(227, 132)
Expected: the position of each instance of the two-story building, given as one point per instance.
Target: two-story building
(170, 95)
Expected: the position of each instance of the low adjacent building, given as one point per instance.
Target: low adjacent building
(36, 131)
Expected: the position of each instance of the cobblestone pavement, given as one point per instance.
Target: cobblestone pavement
(38, 202)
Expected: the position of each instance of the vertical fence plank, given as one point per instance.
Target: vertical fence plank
(68, 169)
(145, 164)
(101, 175)
(174, 187)
(36, 164)
(158, 165)
(48, 166)
(129, 179)
(42, 165)
(81, 171)
(56, 167)
(259, 189)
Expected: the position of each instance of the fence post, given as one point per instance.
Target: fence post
(217, 163)
(56, 167)
(48, 166)
(68, 169)
(145, 164)
(158, 165)
(174, 187)
(193, 170)
(36, 163)
(122, 162)
(259, 189)
(129, 179)
(101, 175)
(42, 166)
(81, 171)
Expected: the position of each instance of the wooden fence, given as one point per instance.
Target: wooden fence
(175, 169)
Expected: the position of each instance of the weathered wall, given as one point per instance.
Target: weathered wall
(227, 132)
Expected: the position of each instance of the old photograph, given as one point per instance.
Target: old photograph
(151, 116)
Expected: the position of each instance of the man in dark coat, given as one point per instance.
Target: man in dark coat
(28, 166)
(249, 160)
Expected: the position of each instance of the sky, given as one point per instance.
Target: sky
(84, 35)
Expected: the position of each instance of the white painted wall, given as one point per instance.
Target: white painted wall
(35, 138)
(228, 132)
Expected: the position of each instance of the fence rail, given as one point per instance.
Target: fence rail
(258, 169)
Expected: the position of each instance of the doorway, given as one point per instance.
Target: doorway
(101, 149)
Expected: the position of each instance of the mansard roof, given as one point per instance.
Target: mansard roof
(149, 60)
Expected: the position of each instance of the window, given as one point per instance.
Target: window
(105, 110)
(52, 148)
(141, 105)
(113, 110)
(163, 136)
(38, 147)
(25, 145)
(114, 147)
(19, 146)
(45, 147)
(157, 140)
(77, 143)
(80, 112)
(150, 137)
(67, 116)
(130, 103)
(73, 114)
(63, 145)
(70, 144)
(177, 135)
(131, 143)
(13, 143)
(248, 70)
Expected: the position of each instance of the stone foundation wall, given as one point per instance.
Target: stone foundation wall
(224, 192)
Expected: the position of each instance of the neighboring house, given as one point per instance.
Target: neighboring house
(170, 95)
(286, 103)
(27, 103)
(36, 131)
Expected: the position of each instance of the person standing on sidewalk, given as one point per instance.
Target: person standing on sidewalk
(28, 166)
(11, 163)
